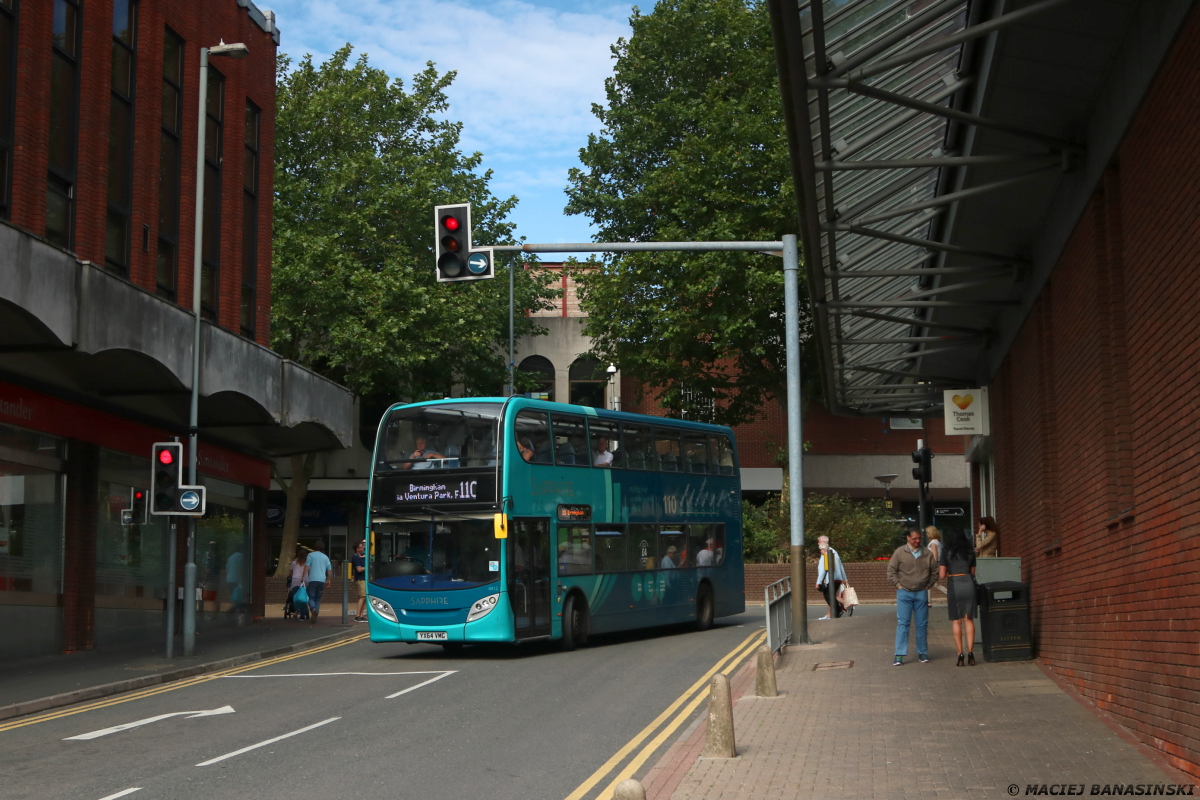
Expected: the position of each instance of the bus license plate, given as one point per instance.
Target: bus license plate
(431, 636)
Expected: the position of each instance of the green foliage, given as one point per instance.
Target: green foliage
(859, 531)
(360, 162)
(693, 148)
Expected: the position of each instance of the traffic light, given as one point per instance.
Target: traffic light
(923, 472)
(169, 496)
(456, 261)
(136, 513)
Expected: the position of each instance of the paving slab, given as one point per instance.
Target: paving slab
(871, 730)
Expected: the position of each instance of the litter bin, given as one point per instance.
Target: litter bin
(1004, 617)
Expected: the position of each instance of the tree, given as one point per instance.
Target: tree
(360, 163)
(858, 530)
(693, 148)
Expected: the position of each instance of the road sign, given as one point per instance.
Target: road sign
(479, 263)
(189, 500)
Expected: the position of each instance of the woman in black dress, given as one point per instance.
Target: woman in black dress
(957, 567)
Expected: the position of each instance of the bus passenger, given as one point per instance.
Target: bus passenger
(667, 561)
(705, 557)
(603, 458)
(421, 455)
(525, 448)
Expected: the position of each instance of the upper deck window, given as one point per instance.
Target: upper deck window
(440, 437)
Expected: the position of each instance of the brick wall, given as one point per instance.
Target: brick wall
(869, 579)
(1098, 481)
(250, 78)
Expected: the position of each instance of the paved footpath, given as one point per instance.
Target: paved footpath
(872, 730)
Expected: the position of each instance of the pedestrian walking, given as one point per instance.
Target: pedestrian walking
(319, 568)
(933, 538)
(296, 580)
(912, 572)
(957, 567)
(826, 571)
(358, 574)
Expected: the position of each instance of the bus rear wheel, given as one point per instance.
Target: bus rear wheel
(704, 608)
(574, 623)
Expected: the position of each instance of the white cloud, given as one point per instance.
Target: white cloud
(527, 75)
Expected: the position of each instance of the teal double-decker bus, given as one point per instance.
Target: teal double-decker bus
(514, 520)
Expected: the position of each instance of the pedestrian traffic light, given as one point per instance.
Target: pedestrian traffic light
(456, 261)
(169, 496)
(923, 472)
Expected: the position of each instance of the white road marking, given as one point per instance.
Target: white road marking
(122, 794)
(147, 721)
(422, 683)
(267, 742)
(324, 674)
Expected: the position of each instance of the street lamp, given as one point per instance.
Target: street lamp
(612, 387)
(236, 50)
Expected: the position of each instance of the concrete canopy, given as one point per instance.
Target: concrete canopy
(942, 152)
(77, 330)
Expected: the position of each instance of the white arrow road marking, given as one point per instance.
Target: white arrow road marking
(267, 742)
(122, 794)
(419, 685)
(443, 673)
(147, 721)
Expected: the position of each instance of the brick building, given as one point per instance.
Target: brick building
(1030, 226)
(98, 180)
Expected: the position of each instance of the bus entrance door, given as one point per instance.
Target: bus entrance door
(529, 576)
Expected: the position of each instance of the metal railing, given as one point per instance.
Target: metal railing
(778, 598)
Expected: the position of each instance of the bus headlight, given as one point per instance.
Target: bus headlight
(482, 607)
(383, 609)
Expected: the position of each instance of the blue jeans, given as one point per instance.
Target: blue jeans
(317, 588)
(910, 604)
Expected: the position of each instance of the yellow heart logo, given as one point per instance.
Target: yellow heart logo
(963, 402)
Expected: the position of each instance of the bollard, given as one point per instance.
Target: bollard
(719, 741)
(629, 790)
(764, 682)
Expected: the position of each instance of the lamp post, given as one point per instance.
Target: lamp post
(612, 386)
(886, 480)
(236, 50)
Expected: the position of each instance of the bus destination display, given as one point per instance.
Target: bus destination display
(423, 489)
(574, 513)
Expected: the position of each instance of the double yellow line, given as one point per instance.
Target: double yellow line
(689, 700)
(170, 687)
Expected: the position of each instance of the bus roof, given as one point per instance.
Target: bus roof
(520, 402)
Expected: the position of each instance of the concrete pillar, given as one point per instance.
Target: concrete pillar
(719, 740)
(764, 683)
(79, 547)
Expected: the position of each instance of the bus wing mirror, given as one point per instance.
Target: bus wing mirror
(500, 526)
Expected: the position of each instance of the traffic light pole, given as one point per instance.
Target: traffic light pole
(791, 264)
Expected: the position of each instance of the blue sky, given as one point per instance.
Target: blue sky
(528, 73)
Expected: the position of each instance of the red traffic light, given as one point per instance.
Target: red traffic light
(165, 456)
(450, 223)
(137, 495)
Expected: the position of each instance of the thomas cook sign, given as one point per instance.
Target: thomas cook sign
(966, 412)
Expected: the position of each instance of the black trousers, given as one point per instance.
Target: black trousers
(830, 591)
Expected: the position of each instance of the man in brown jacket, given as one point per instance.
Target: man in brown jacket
(913, 572)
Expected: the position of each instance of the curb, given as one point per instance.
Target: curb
(120, 687)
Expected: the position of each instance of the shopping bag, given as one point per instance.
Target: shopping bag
(300, 598)
(849, 596)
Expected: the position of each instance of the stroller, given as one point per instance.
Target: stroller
(290, 609)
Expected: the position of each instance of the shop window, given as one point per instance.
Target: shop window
(540, 370)
(120, 137)
(8, 64)
(64, 121)
(31, 522)
(224, 547)
(214, 145)
(170, 145)
(132, 555)
(249, 307)
(588, 382)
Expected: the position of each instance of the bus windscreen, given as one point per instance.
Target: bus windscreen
(459, 436)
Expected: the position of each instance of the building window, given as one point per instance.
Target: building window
(64, 119)
(539, 369)
(250, 220)
(210, 251)
(697, 405)
(120, 137)
(167, 257)
(588, 381)
(8, 63)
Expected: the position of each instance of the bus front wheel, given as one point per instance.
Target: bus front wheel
(574, 623)
(704, 608)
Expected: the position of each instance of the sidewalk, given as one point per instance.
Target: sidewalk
(60, 679)
(871, 730)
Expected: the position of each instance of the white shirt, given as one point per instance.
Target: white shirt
(704, 558)
(603, 459)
